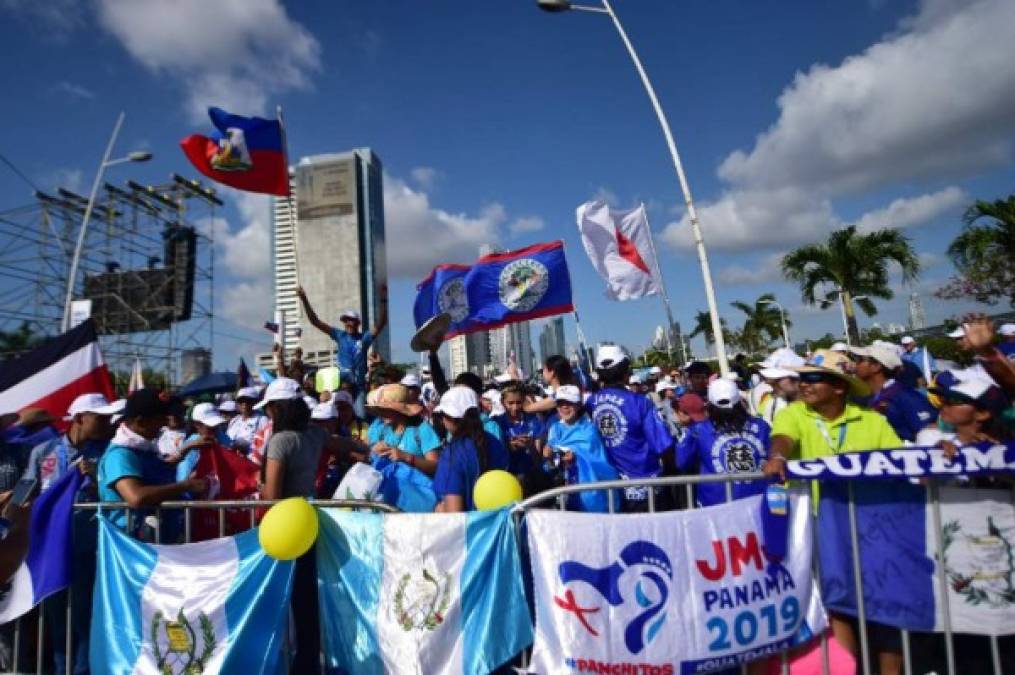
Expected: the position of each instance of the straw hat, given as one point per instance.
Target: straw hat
(395, 398)
(31, 416)
(835, 363)
(431, 334)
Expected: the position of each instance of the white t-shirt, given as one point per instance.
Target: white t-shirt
(242, 430)
(169, 442)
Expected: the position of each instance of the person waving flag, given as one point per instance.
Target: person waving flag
(247, 153)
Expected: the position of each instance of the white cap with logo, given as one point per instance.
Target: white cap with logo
(94, 403)
(568, 393)
(206, 414)
(610, 355)
(351, 314)
(723, 393)
(457, 401)
(324, 411)
(281, 389)
(883, 354)
(907, 340)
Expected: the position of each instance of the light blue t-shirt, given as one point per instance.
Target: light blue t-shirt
(351, 354)
(122, 462)
(187, 464)
(414, 440)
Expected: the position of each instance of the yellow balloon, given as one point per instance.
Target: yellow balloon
(288, 529)
(496, 489)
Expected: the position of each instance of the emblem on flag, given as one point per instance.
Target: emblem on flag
(422, 601)
(175, 648)
(523, 284)
(232, 154)
(988, 571)
(453, 299)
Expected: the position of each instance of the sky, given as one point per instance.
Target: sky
(495, 120)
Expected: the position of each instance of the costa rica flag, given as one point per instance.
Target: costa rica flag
(247, 153)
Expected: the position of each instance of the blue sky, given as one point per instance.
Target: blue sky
(494, 120)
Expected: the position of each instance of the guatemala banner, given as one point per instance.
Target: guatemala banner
(898, 553)
(420, 593)
(217, 606)
(498, 289)
(909, 462)
(676, 592)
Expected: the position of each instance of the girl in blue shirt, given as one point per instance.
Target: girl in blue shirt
(468, 452)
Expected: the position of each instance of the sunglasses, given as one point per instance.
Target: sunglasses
(816, 378)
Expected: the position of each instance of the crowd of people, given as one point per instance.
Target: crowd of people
(565, 427)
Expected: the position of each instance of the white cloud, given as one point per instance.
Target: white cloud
(420, 236)
(69, 179)
(766, 271)
(526, 224)
(426, 177)
(247, 303)
(903, 212)
(934, 98)
(58, 17)
(73, 90)
(232, 53)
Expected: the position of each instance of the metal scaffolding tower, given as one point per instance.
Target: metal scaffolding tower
(129, 232)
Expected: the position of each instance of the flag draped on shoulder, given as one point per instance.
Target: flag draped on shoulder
(498, 289)
(619, 244)
(48, 567)
(217, 606)
(247, 153)
(420, 593)
(56, 372)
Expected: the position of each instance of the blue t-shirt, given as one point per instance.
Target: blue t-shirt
(916, 358)
(529, 425)
(713, 452)
(1007, 348)
(122, 462)
(417, 440)
(374, 430)
(491, 427)
(904, 407)
(458, 467)
(634, 433)
(351, 355)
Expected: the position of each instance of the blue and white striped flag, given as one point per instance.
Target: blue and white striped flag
(217, 606)
(420, 593)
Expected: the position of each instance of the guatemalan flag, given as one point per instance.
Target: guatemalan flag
(48, 568)
(247, 153)
(498, 289)
(217, 606)
(899, 561)
(420, 593)
(56, 372)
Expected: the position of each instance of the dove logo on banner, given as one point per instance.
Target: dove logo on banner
(678, 592)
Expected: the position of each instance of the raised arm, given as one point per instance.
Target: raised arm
(312, 315)
(382, 315)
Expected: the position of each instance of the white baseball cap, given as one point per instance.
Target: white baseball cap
(569, 393)
(253, 393)
(780, 363)
(723, 393)
(206, 414)
(884, 355)
(502, 378)
(663, 385)
(655, 370)
(610, 355)
(349, 314)
(635, 379)
(492, 394)
(281, 389)
(342, 397)
(94, 403)
(959, 332)
(457, 401)
(324, 411)
(841, 347)
(1007, 329)
(227, 406)
(907, 340)
(411, 380)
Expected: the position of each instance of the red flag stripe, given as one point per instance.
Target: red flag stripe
(58, 401)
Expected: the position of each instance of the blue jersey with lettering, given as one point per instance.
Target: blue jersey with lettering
(712, 451)
(529, 425)
(634, 433)
(905, 408)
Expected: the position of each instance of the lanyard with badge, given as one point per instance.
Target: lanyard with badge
(823, 428)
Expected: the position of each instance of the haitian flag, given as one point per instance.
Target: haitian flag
(498, 289)
(247, 153)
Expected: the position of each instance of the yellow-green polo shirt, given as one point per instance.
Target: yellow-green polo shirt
(865, 430)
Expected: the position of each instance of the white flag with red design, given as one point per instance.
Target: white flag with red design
(619, 244)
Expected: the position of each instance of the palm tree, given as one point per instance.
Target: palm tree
(703, 326)
(762, 325)
(984, 254)
(17, 341)
(851, 264)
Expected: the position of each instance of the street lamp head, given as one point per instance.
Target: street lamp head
(554, 5)
(139, 156)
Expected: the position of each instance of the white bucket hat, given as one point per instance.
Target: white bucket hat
(281, 389)
(206, 414)
(457, 401)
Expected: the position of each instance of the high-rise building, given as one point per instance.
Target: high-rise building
(514, 338)
(551, 339)
(334, 245)
(469, 353)
(917, 318)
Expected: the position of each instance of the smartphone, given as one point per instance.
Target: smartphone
(23, 491)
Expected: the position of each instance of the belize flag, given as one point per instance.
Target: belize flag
(899, 555)
(217, 606)
(420, 593)
(48, 568)
(247, 153)
(498, 289)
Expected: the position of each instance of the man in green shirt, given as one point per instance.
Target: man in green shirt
(823, 422)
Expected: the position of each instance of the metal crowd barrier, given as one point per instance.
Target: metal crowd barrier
(556, 498)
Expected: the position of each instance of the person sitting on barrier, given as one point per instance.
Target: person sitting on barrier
(248, 422)
(634, 433)
(468, 452)
(131, 470)
(906, 409)
(824, 422)
(729, 441)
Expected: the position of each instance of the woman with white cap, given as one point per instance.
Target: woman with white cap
(468, 452)
(209, 430)
(248, 422)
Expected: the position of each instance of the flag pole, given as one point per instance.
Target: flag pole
(293, 220)
(579, 333)
(662, 286)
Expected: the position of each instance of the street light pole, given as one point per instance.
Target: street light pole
(83, 230)
(699, 241)
(782, 318)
